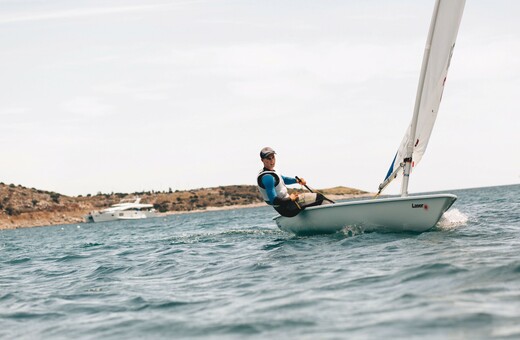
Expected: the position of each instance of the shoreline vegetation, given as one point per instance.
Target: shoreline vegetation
(22, 207)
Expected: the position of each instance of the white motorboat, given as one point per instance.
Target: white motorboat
(404, 213)
(123, 211)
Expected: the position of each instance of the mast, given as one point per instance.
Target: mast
(411, 141)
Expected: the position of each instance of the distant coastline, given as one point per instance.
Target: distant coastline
(22, 207)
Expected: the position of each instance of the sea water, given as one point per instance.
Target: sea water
(233, 275)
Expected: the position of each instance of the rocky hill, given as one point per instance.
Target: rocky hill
(27, 207)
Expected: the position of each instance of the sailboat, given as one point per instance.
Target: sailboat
(414, 213)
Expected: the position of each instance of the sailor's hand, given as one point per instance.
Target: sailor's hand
(301, 181)
(293, 197)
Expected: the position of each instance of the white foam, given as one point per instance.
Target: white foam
(452, 219)
(350, 231)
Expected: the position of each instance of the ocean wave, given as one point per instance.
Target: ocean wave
(234, 276)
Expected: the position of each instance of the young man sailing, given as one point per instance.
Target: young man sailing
(273, 189)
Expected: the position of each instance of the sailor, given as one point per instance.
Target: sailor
(272, 186)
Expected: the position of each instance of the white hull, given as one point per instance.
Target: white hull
(412, 213)
(121, 215)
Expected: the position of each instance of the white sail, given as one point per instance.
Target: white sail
(436, 61)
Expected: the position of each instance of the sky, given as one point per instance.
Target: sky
(125, 96)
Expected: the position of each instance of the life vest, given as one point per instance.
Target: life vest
(279, 185)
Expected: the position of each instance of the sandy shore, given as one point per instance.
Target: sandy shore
(255, 205)
(42, 219)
